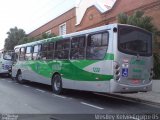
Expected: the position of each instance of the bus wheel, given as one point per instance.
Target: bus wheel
(57, 84)
(19, 77)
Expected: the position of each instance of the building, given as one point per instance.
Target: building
(92, 13)
(67, 22)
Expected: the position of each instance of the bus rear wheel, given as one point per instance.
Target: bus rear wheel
(57, 84)
(19, 77)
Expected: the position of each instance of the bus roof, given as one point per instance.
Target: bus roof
(53, 39)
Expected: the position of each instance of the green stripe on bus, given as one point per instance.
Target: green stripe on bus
(109, 56)
(83, 63)
(70, 69)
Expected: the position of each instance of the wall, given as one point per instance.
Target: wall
(68, 18)
(150, 7)
(93, 17)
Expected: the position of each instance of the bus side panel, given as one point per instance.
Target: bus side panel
(33, 76)
(99, 69)
(94, 77)
(30, 71)
(96, 86)
(34, 71)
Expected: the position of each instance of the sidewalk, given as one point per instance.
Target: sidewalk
(151, 97)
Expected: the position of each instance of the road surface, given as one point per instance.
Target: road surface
(33, 98)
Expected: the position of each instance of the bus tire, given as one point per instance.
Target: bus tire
(19, 77)
(57, 84)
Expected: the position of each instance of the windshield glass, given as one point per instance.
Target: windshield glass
(7, 55)
(134, 41)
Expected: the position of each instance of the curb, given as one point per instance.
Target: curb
(133, 99)
(148, 102)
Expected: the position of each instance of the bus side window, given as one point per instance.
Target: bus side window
(28, 55)
(44, 51)
(97, 45)
(22, 54)
(36, 52)
(78, 48)
(50, 50)
(47, 50)
(62, 49)
(16, 55)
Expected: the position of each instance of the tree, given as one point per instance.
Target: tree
(18, 36)
(14, 36)
(139, 19)
(46, 35)
(32, 39)
(23, 40)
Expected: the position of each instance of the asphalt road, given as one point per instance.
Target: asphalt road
(33, 98)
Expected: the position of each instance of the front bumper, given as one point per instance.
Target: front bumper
(4, 71)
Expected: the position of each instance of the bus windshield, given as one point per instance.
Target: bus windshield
(7, 55)
(134, 41)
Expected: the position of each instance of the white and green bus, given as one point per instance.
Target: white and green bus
(110, 58)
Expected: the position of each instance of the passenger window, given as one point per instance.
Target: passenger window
(50, 51)
(62, 49)
(44, 51)
(36, 48)
(28, 55)
(97, 45)
(36, 52)
(17, 53)
(47, 50)
(22, 54)
(78, 48)
(105, 39)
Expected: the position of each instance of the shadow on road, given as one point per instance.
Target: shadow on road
(88, 97)
(100, 100)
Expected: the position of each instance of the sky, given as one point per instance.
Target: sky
(29, 14)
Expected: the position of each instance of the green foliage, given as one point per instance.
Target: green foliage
(156, 67)
(122, 18)
(25, 40)
(139, 19)
(14, 36)
(45, 35)
(18, 36)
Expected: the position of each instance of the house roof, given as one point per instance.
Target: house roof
(83, 5)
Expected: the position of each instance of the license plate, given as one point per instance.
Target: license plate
(135, 81)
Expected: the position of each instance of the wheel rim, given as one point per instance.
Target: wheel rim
(57, 83)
